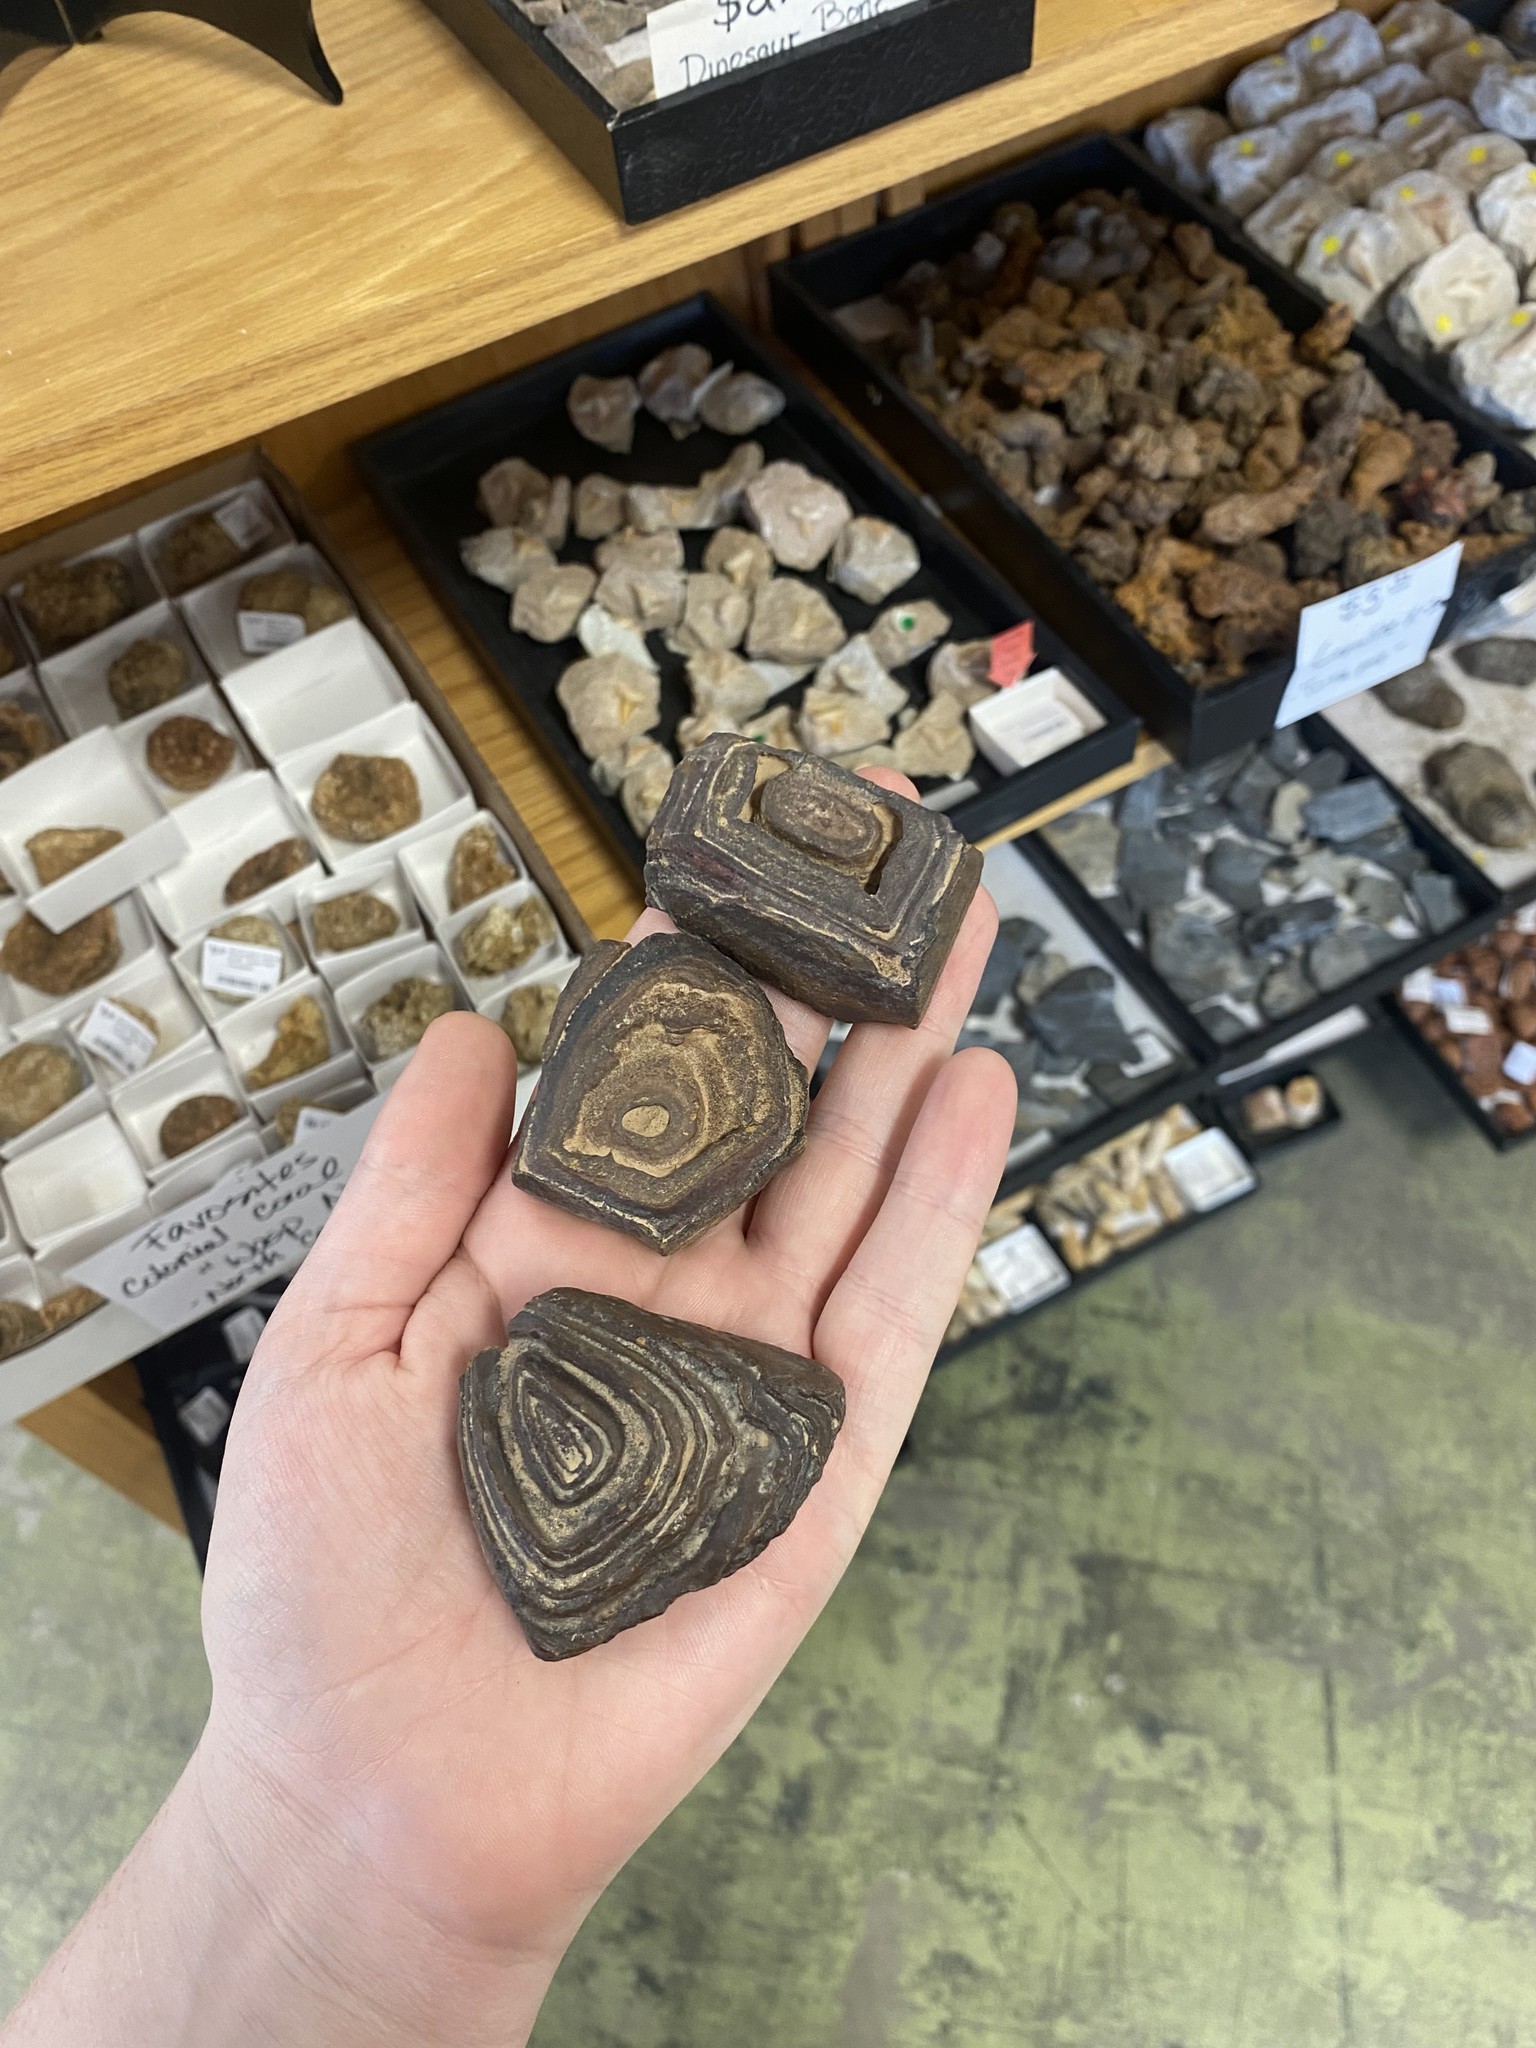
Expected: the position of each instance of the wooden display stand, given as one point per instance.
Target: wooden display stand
(196, 254)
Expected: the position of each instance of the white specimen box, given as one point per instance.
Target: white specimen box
(203, 1169)
(213, 611)
(318, 689)
(212, 1006)
(1033, 719)
(404, 734)
(481, 988)
(223, 829)
(142, 1107)
(425, 863)
(150, 985)
(10, 1236)
(85, 1181)
(249, 513)
(424, 962)
(383, 881)
(75, 682)
(336, 1102)
(126, 551)
(27, 1009)
(89, 782)
(204, 703)
(87, 1101)
(247, 1037)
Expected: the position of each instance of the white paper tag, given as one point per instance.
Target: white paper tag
(204, 1416)
(695, 40)
(1467, 1022)
(242, 1333)
(230, 969)
(1520, 1063)
(266, 632)
(116, 1037)
(1208, 1170)
(311, 1122)
(1446, 991)
(1525, 919)
(1022, 1268)
(245, 523)
(1368, 635)
(1418, 987)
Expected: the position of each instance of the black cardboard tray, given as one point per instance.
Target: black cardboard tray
(1198, 725)
(1500, 1139)
(650, 160)
(1483, 912)
(1227, 1105)
(423, 474)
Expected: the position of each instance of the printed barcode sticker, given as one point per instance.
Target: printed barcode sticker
(230, 969)
(266, 632)
(1419, 987)
(204, 1416)
(1022, 1267)
(1468, 1022)
(1208, 1170)
(244, 521)
(311, 1121)
(118, 1038)
(1520, 1063)
(1012, 653)
(1449, 992)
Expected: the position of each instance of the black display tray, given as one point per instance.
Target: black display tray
(652, 159)
(1483, 912)
(423, 474)
(1198, 725)
(1500, 1139)
(1228, 1106)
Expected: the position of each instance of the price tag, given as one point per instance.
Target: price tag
(1447, 991)
(1012, 654)
(1419, 987)
(204, 1416)
(118, 1038)
(1022, 1268)
(1467, 1022)
(696, 40)
(245, 523)
(1520, 1063)
(1208, 1170)
(266, 632)
(1368, 635)
(311, 1121)
(230, 969)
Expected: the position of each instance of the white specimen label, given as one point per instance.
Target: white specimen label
(1368, 635)
(1208, 1170)
(1520, 1063)
(311, 1121)
(242, 1333)
(1468, 1022)
(1449, 993)
(230, 969)
(118, 1038)
(1419, 987)
(1022, 1268)
(244, 521)
(204, 1416)
(266, 632)
(696, 40)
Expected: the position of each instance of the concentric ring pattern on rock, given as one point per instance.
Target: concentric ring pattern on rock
(827, 885)
(668, 1097)
(615, 1460)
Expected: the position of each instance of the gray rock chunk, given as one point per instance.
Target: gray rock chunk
(1151, 872)
(1391, 847)
(1498, 660)
(1018, 940)
(1440, 903)
(1252, 792)
(602, 410)
(1379, 898)
(1289, 925)
(1343, 955)
(871, 559)
(1234, 870)
(1137, 810)
(1196, 958)
(1089, 843)
(1423, 697)
(1351, 811)
(739, 402)
(1325, 770)
(1286, 989)
(1077, 1018)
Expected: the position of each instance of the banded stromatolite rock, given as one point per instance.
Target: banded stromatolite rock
(615, 1460)
(669, 1096)
(828, 886)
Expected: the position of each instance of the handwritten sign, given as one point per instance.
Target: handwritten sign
(693, 41)
(258, 1221)
(1368, 635)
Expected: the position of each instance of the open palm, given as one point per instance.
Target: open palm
(362, 1656)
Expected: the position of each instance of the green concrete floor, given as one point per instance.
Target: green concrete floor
(1182, 1695)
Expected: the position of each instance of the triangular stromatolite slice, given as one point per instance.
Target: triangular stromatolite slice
(615, 1460)
(826, 885)
(668, 1095)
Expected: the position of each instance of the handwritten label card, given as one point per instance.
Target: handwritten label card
(1368, 635)
(257, 1221)
(696, 40)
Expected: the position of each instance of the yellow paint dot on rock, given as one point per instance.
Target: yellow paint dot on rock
(1407, 192)
(1246, 148)
(1317, 43)
(1474, 49)
(1330, 245)
(1477, 156)
(1442, 323)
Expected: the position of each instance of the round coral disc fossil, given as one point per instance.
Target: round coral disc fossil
(669, 1096)
(615, 1460)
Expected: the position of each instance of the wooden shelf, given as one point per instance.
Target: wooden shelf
(194, 250)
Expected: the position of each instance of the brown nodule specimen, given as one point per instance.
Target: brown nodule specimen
(502, 938)
(64, 602)
(20, 1326)
(24, 736)
(398, 1019)
(364, 797)
(478, 866)
(194, 1121)
(290, 590)
(147, 673)
(196, 551)
(302, 1041)
(188, 754)
(615, 1460)
(343, 923)
(830, 887)
(266, 869)
(526, 1018)
(68, 1306)
(35, 1080)
(669, 1096)
(59, 963)
(62, 848)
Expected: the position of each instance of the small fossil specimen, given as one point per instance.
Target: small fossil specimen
(502, 938)
(69, 1306)
(715, 615)
(24, 736)
(1484, 793)
(871, 558)
(740, 403)
(289, 590)
(196, 551)
(615, 1460)
(65, 602)
(599, 507)
(516, 494)
(302, 1040)
(188, 753)
(20, 1327)
(608, 699)
(906, 632)
(266, 869)
(364, 797)
(833, 889)
(602, 410)
(638, 774)
(547, 606)
(286, 1120)
(799, 515)
(1424, 697)
(35, 1080)
(669, 1096)
(477, 867)
(147, 673)
(398, 1019)
(505, 558)
(937, 742)
(792, 622)
(526, 1017)
(745, 558)
(59, 963)
(343, 923)
(671, 382)
(1499, 660)
(59, 849)
(194, 1121)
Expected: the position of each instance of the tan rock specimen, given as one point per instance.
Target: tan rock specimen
(871, 559)
(745, 558)
(477, 867)
(302, 1040)
(715, 615)
(526, 1016)
(194, 1121)
(266, 869)
(36, 1079)
(69, 1306)
(24, 736)
(799, 515)
(502, 938)
(906, 632)
(937, 742)
(792, 622)
(197, 550)
(608, 699)
(60, 849)
(188, 754)
(66, 602)
(20, 1327)
(147, 673)
(602, 410)
(505, 558)
(600, 507)
(366, 797)
(60, 963)
(547, 606)
(399, 1018)
(516, 494)
(638, 774)
(343, 923)
(289, 590)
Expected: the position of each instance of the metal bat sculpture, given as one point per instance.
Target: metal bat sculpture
(283, 30)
